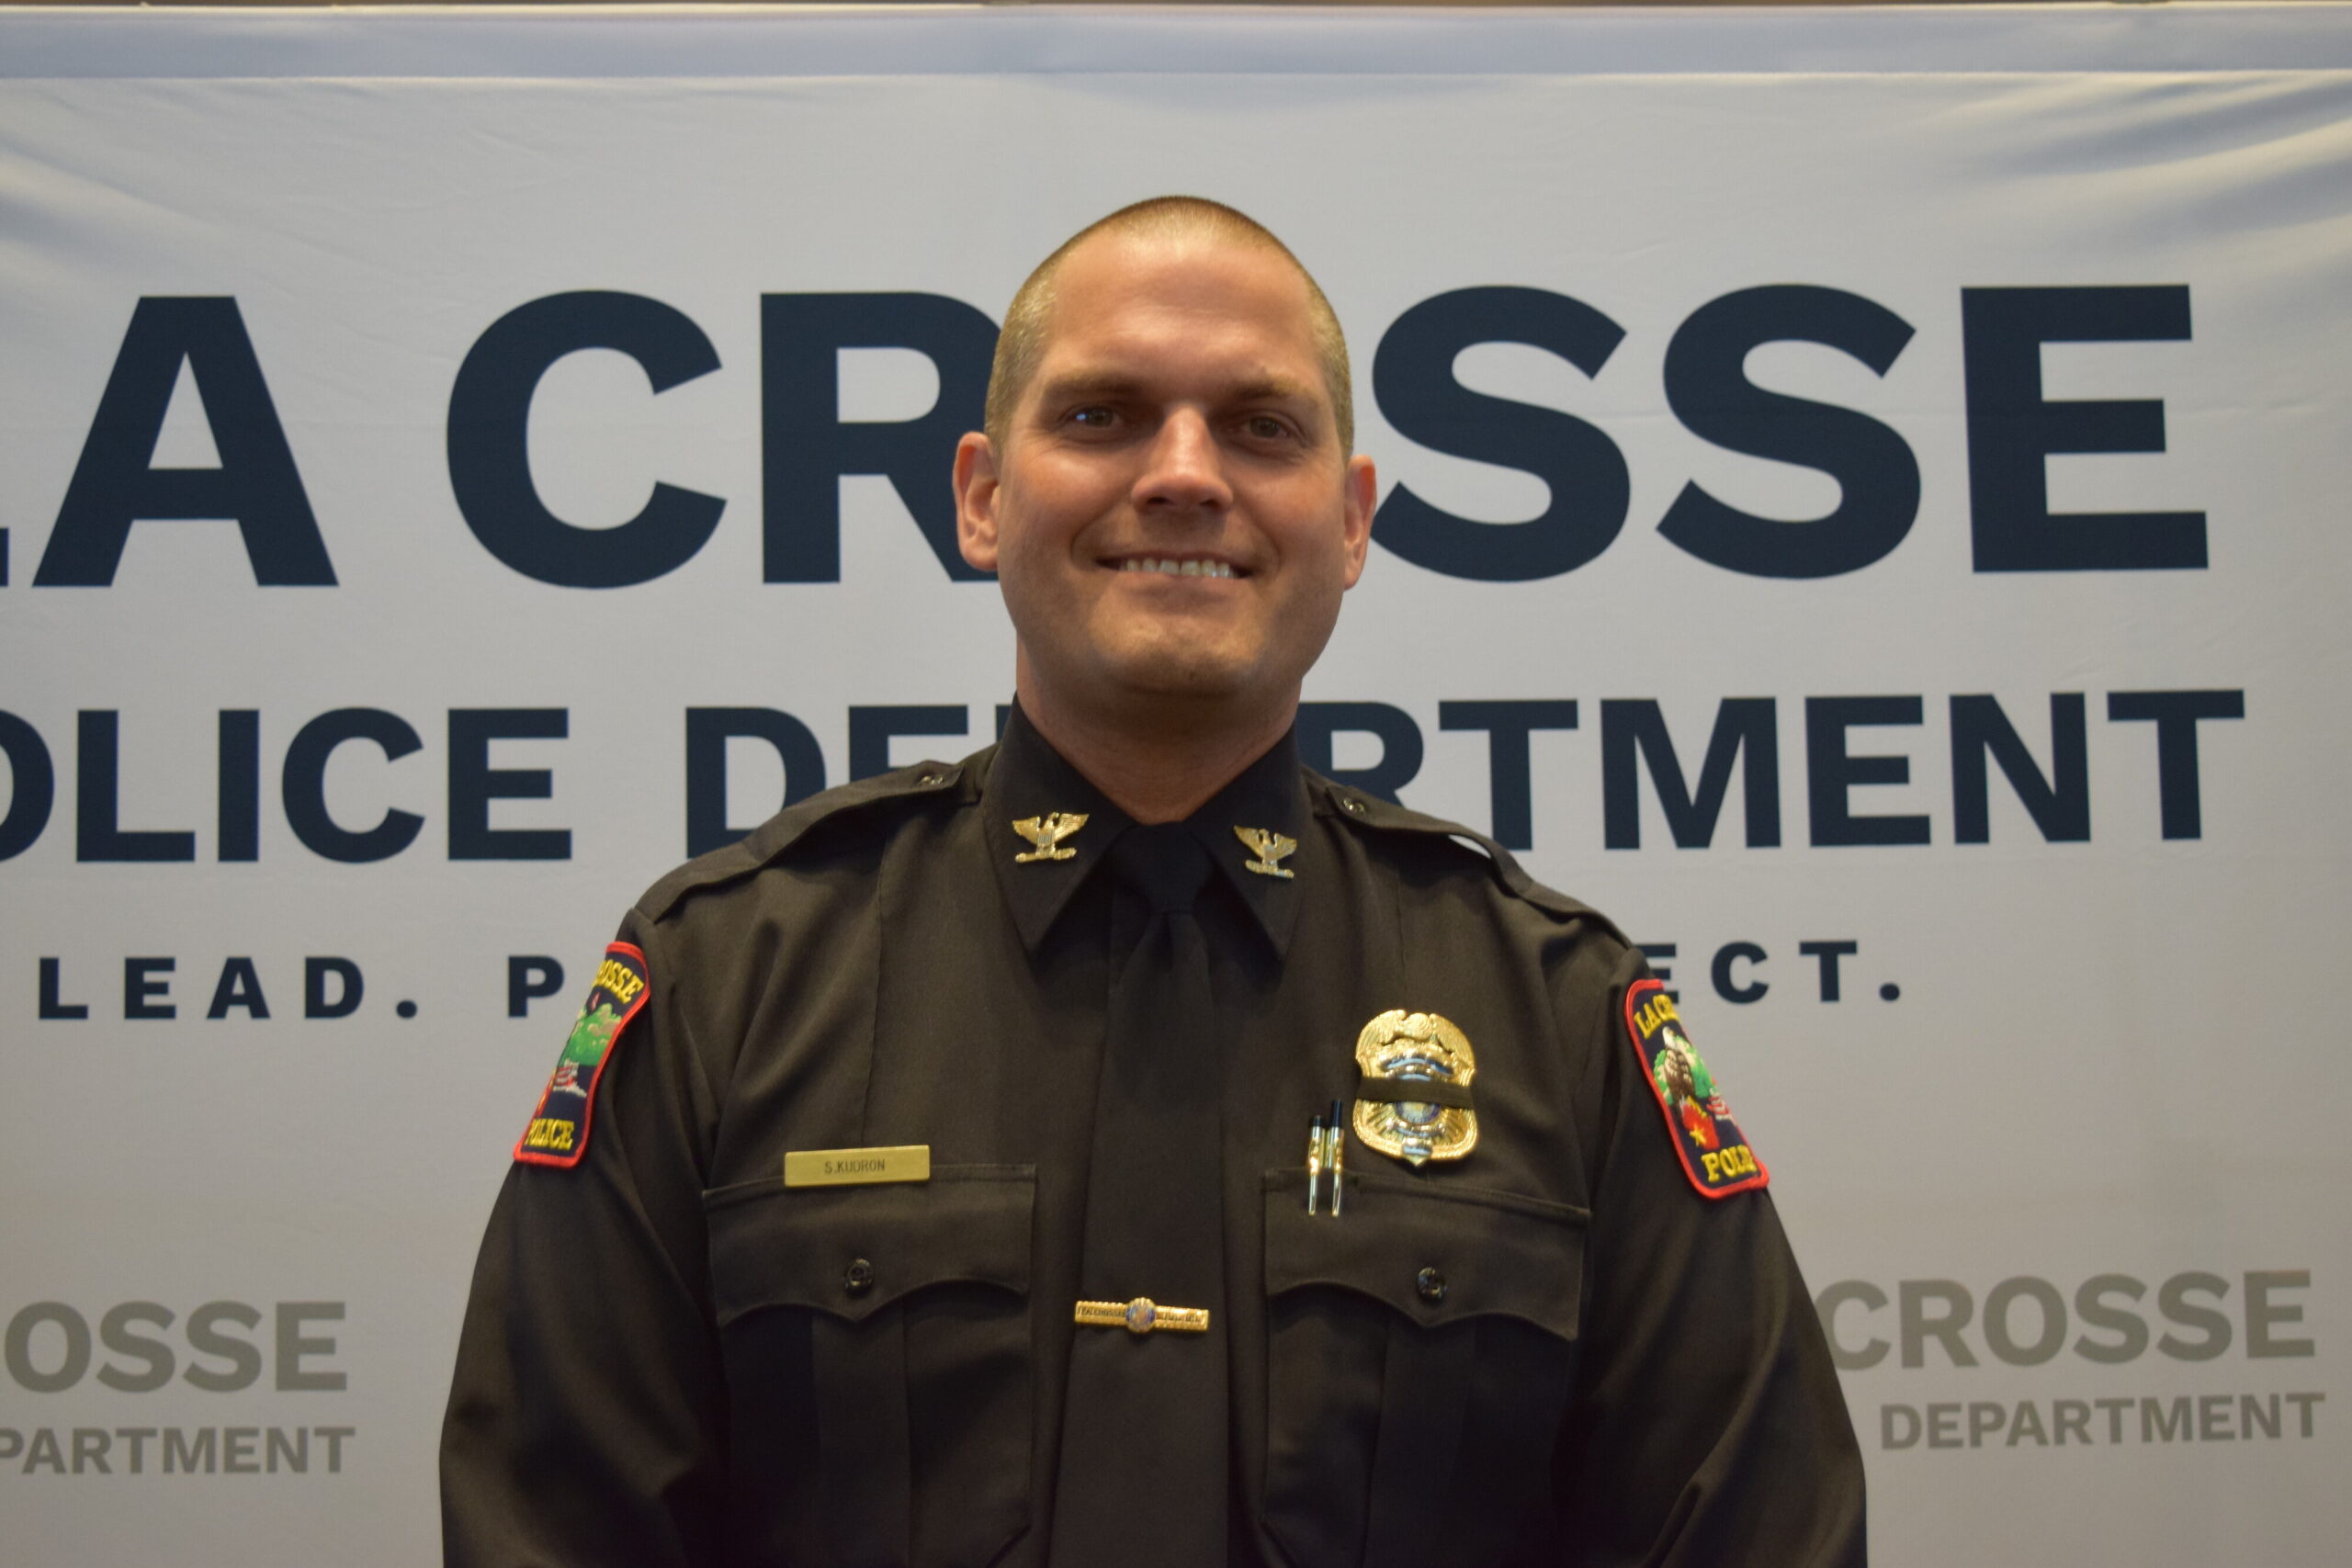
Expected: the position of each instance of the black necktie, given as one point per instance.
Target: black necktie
(1143, 1460)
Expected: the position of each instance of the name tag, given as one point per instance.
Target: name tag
(852, 1168)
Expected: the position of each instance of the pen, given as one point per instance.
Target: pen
(1314, 1159)
(1337, 1132)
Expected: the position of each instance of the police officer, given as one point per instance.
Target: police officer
(1124, 1145)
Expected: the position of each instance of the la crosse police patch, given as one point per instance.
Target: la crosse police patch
(1714, 1155)
(557, 1134)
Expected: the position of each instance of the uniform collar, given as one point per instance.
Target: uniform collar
(1029, 778)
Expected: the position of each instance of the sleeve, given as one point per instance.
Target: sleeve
(587, 1418)
(1708, 1426)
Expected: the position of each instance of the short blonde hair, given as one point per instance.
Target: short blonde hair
(1021, 344)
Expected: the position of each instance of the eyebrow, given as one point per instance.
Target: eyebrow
(1088, 384)
(1114, 384)
(1277, 389)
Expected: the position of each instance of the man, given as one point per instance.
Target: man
(1124, 1145)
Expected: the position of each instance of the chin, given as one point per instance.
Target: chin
(1188, 677)
(1186, 682)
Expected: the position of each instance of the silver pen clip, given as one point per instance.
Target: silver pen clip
(1326, 1146)
(1314, 1161)
(1336, 1131)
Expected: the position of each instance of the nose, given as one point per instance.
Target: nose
(1184, 470)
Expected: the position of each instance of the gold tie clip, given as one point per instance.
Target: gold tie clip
(1144, 1315)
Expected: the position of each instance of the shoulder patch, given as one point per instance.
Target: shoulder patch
(557, 1134)
(1715, 1154)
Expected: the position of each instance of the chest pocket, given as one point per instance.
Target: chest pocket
(1419, 1351)
(878, 1361)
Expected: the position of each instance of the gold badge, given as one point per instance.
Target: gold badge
(1047, 832)
(1269, 847)
(1413, 1101)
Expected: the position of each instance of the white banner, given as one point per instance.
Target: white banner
(1862, 506)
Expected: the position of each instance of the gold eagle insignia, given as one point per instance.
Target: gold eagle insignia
(1047, 832)
(1269, 847)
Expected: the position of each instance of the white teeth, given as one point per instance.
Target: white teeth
(1176, 568)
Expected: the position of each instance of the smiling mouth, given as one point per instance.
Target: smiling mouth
(1170, 566)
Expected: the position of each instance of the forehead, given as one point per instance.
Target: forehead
(1189, 305)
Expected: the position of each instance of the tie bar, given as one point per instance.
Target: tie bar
(1143, 1315)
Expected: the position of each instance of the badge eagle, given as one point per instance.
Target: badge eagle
(591, 1037)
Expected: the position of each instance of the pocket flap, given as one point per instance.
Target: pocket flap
(1434, 1254)
(851, 1250)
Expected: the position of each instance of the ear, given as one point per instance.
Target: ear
(976, 496)
(1361, 492)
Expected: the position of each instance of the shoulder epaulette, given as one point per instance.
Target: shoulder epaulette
(1361, 809)
(775, 836)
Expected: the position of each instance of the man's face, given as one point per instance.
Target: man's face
(1171, 518)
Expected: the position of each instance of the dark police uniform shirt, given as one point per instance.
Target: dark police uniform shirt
(1553, 1350)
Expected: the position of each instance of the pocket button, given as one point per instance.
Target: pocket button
(858, 1278)
(1430, 1284)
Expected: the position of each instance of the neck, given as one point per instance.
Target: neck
(1160, 765)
